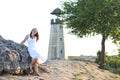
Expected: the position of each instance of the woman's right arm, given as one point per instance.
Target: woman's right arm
(26, 37)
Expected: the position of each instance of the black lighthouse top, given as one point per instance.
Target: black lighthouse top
(56, 12)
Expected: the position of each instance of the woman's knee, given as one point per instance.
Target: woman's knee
(34, 61)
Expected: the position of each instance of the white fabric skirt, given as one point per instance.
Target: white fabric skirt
(35, 54)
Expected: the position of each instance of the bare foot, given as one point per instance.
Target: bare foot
(36, 74)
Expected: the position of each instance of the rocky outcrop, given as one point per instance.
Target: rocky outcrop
(14, 58)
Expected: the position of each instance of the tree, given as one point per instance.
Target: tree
(93, 17)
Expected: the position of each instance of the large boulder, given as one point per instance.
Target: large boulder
(14, 58)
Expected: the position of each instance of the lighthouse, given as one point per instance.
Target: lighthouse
(56, 49)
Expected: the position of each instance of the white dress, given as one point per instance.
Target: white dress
(32, 49)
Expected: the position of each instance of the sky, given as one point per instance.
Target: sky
(18, 17)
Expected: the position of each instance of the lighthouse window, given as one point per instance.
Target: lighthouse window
(60, 39)
(60, 27)
(61, 51)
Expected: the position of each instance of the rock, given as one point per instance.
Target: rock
(14, 58)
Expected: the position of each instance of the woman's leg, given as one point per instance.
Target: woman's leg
(36, 70)
(35, 67)
(32, 64)
(34, 61)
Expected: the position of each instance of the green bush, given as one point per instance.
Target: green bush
(112, 63)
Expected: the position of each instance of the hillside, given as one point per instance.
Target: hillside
(67, 70)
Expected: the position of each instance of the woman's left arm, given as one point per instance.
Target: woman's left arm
(26, 37)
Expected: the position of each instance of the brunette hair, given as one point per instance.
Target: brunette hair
(36, 35)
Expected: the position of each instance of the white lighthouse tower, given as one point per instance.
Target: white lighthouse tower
(56, 41)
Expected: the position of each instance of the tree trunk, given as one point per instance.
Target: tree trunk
(102, 58)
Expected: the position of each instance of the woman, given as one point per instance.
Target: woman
(31, 39)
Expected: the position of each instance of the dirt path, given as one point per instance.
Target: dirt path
(68, 70)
